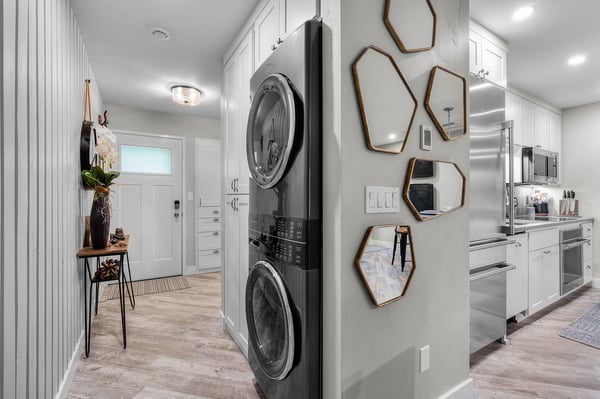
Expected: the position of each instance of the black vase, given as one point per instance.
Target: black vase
(100, 222)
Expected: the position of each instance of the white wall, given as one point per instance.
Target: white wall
(370, 352)
(187, 126)
(43, 68)
(580, 164)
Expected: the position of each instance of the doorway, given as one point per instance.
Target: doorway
(147, 202)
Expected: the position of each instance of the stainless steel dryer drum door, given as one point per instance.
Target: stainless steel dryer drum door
(271, 130)
(270, 322)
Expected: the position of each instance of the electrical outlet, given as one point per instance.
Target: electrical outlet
(424, 358)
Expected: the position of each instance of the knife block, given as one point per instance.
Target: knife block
(569, 207)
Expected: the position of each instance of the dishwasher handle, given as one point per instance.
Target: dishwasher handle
(492, 271)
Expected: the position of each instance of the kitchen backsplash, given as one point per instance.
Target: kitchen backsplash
(526, 196)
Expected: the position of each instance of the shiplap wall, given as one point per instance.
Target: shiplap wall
(43, 68)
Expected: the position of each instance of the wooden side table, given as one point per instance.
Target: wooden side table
(119, 249)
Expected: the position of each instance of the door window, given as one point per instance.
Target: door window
(147, 160)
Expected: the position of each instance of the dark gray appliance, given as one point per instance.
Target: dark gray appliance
(283, 290)
(491, 148)
(571, 259)
(539, 166)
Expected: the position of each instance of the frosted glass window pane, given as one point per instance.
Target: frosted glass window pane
(148, 160)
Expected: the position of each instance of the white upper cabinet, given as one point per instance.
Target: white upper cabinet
(528, 123)
(299, 11)
(514, 112)
(541, 127)
(487, 55)
(554, 131)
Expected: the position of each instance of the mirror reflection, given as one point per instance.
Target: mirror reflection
(446, 102)
(433, 188)
(411, 23)
(385, 262)
(386, 102)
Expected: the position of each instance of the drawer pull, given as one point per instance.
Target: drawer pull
(216, 220)
(216, 233)
(215, 212)
(216, 251)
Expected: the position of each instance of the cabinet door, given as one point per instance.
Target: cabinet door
(551, 275)
(231, 271)
(528, 123)
(493, 60)
(475, 48)
(298, 11)
(514, 112)
(588, 271)
(208, 172)
(517, 280)
(536, 283)
(268, 31)
(232, 124)
(246, 61)
(554, 132)
(243, 208)
(541, 127)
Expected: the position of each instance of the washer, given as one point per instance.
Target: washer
(283, 291)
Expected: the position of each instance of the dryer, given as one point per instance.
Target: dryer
(283, 290)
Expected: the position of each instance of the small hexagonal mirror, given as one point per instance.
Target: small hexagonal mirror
(385, 262)
(433, 188)
(446, 102)
(411, 23)
(387, 105)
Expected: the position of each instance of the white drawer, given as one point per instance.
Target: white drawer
(209, 258)
(208, 240)
(208, 224)
(208, 211)
(543, 238)
(586, 229)
(587, 251)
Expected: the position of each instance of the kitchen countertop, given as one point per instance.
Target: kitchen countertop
(544, 222)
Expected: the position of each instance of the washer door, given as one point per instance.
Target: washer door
(270, 323)
(271, 130)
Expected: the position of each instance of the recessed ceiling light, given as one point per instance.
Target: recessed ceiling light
(185, 95)
(160, 34)
(576, 60)
(523, 13)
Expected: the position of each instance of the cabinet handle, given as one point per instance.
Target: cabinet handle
(236, 184)
(231, 185)
(588, 266)
(215, 233)
(279, 41)
(215, 212)
(216, 220)
(216, 251)
(518, 244)
(273, 47)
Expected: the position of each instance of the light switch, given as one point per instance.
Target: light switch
(424, 358)
(382, 199)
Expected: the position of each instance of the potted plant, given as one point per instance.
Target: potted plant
(101, 181)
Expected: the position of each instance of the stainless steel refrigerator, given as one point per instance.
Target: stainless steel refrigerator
(490, 149)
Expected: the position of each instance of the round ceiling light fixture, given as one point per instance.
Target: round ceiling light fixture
(160, 34)
(185, 95)
(523, 13)
(576, 60)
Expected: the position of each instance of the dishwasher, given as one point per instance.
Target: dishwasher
(487, 280)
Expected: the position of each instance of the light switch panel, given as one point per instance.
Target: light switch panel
(380, 199)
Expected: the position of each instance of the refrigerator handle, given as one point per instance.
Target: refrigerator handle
(507, 127)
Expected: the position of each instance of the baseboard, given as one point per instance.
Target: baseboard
(193, 269)
(65, 385)
(464, 390)
(596, 283)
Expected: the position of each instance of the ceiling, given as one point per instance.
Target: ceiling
(133, 68)
(540, 46)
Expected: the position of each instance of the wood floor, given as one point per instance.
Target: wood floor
(537, 362)
(176, 348)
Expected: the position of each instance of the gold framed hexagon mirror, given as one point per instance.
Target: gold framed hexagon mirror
(446, 102)
(385, 262)
(387, 104)
(412, 24)
(433, 188)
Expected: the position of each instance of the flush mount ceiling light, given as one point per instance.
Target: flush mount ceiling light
(185, 95)
(523, 13)
(576, 60)
(160, 34)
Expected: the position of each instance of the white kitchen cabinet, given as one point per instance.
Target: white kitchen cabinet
(517, 280)
(554, 131)
(208, 238)
(540, 134)
(528, 114)
(235, 270)
(544, 268)
(487, 58)
(299, 11)
(514, 112)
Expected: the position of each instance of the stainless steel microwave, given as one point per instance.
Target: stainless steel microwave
(539, 166)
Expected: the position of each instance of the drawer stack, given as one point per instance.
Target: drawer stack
(208, 238)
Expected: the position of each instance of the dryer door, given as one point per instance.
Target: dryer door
(271, 129)
(270, 323)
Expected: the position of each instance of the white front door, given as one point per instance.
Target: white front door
(147, 203)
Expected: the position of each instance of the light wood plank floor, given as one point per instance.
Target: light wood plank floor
(176, 348)
(537, 362)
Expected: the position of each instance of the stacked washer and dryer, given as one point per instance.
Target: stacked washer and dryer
(283, 291)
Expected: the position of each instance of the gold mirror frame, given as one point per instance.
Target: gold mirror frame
(407, 184)
(435, 72)
(363, 107)
(390, 26)
(385, 275)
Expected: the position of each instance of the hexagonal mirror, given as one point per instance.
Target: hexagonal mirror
(385, 262)
(411, 23)
(446, 102)
(387, 105)
(433, 188)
